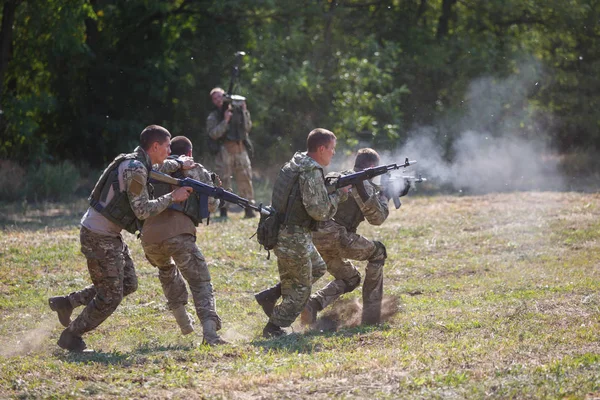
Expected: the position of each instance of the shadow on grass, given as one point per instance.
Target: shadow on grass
(32, 217)
(311, 341)
(119, 358)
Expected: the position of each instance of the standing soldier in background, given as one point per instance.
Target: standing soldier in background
(301, 199)
(228, 128)
(169, 241)
(119, 201)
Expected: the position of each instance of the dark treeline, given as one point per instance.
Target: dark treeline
(81, 78)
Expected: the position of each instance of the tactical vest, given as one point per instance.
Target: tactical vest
(349, 215)
(118, 210)
(237, 125)
(191, 207)
(287, 197)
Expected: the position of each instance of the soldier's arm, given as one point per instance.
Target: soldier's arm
(214, 127)
(375, 208)
(167, 167)
(135, 177)
(319, 204)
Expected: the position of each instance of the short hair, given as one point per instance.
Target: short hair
(365, 158)
(216, 90)
(319, 137)
(180, 145)
(152, 134)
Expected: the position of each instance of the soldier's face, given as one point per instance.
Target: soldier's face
(160, 151)
(217, 99)
(327, 153)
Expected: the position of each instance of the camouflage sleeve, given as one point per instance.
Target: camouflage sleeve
(319, 204)
(214, 127)
(247, 121)
(201, 174)
(167, 167)
(135, 177)
(375, 209)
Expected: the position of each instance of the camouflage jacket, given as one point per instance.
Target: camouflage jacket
(217, 127)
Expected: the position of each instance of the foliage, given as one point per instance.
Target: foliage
(81, 78)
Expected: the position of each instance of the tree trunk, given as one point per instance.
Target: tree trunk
(6, 35)
(445, 18)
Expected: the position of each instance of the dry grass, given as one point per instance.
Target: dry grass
(490, 296)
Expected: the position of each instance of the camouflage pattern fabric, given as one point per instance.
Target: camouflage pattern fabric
(229, 164)
(135, 178)
(338, 246)
(179, 258)
(109, 262)
(299, 263)
(197, 172)
(113, 275)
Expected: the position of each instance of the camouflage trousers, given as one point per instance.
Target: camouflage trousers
(113, 276)
(179, 258)
(337, 247)
(236, 165)
(300, 265)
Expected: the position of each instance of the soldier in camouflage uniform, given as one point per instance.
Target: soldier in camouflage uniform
(120, 200)
(338, 243)
(301, 198)
(169, 241)
(230, 135)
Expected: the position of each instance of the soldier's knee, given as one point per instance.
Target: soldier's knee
(110, 303)
(352, 283)
(131, 287)
(380, 253)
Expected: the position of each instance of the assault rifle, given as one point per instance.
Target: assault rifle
(396, 187)
(205, 191)
(336, 182)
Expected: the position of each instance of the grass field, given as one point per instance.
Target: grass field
(498, 297)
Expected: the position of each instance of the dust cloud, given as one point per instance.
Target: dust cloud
(28, 341)
(347, 313)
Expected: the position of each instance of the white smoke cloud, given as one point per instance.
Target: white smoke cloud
(489, 153)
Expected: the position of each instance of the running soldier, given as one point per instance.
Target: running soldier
(169, 241)
(301, 199)
(119, 201)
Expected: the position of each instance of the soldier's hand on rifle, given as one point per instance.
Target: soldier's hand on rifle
(227, 115)
(182, 194)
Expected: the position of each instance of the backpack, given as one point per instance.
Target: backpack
(268, 230)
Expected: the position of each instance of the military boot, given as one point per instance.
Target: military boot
(309, 314)
(72, 342)
(209, 330)
(273, 331)
(184, 320)
(223, 213)
(249, 213)
(63, 308)
(268, 298)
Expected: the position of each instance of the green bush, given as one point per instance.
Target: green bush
(52, 182)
